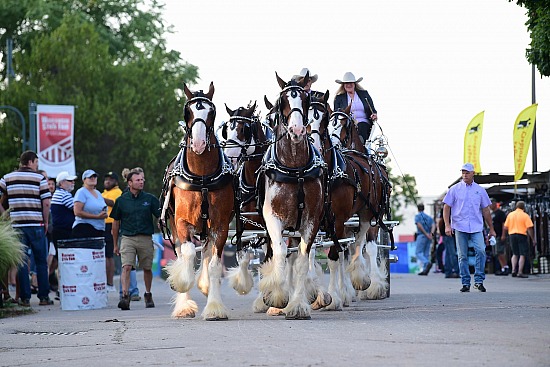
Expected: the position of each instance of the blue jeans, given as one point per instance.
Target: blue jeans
(423, 245)
(34, 238)
(475, 240)
(451, 261)
(133, 289)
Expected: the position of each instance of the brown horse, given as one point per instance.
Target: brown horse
(292, 200)
(359, 185)
(200, 195)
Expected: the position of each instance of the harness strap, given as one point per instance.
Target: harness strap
(204, 213)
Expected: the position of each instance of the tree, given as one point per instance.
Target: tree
(538, 25)
(404, 193)
(125, 85)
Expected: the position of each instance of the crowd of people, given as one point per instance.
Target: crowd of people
(44, 212)
(470, 222)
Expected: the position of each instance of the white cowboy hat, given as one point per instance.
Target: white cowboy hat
(303, 73)
(348, 78)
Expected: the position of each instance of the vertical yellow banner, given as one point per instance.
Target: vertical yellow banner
(523, 132)
(472, 141)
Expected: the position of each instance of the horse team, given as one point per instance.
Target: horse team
(305, 170)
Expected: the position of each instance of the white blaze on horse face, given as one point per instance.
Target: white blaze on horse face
(315, 124)
(198, 132)
(334, 130)
(295, 120)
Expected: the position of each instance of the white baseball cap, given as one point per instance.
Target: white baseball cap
(65, 176)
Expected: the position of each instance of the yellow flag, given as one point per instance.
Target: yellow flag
(472, 141)
(523, 132)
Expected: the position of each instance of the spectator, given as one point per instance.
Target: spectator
(110, 193)
(424, 235)
(132, 213)
(90, 209)
(501, 248)
(29, 198)
(466, 206)
(518, 224)
(451, 260)
(62, 209)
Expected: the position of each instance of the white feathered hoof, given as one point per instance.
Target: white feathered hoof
(276, 298)
(360, 284)
(240, 279)
(184, 308)
(377, 290)
(214, 311)
(302, 312)
(180, 276)
(258, 306)
(323, 300)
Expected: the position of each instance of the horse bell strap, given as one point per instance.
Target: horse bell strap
(239, 226)
(300, 197)
(204, 212)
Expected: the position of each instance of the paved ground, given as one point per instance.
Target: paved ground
(425, 322)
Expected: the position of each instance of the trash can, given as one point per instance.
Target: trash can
(83, 279)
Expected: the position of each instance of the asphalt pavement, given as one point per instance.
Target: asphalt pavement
(425, 322)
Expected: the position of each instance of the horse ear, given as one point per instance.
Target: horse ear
(187, 92)
(250, 111)
(229, 110)
(210, 93)
(325, 99)
(268, 104)
(281, 82)
(347, 109)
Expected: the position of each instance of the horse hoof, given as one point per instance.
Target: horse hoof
(297, 317)
(327, 299)
(216, 318)
(268, 302)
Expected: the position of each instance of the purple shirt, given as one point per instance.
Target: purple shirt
(467, 202)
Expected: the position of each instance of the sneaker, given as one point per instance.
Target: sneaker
(514, 275)
(523, 276)
(57, 296)
(111, 289)
(135, 297)
(45, 302)
(24, 302)
(148, 300)
(124, 303)
(480, 287)
(465, 288)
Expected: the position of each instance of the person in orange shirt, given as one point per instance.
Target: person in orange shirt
(518, 224)
(110, 194)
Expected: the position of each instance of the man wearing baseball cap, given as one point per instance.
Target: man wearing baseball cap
(466, 206)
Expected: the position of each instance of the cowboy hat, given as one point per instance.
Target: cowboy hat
(303, 73)
(348, 78)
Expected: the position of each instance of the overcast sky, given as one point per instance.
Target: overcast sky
(430, 67)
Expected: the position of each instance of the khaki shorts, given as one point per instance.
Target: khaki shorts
(140, 246)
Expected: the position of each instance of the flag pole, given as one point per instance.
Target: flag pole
(534, 139)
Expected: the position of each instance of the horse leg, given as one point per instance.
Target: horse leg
(298, 307)
(333, 286)
(240, 278)
(314, 286)
(215, 309)
(184, 306)
(344, 282)
(378, 274)
(358, 265)
(203, 278)
(272, 284)
(181, 272)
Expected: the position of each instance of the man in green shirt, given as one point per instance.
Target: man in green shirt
(133, 214)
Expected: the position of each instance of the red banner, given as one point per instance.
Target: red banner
(55, 138)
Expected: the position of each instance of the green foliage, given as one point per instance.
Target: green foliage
(109, 60)
(404, 193)
(11, 248)
(538, 25)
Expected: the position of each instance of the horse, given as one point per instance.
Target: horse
(244, 141)
(292, 199)
(198, 199)
(340, 286)
(360, 185)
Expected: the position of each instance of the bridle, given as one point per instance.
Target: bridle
(199, 100)
(334, 118)
(316, 107)
(294, 90)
